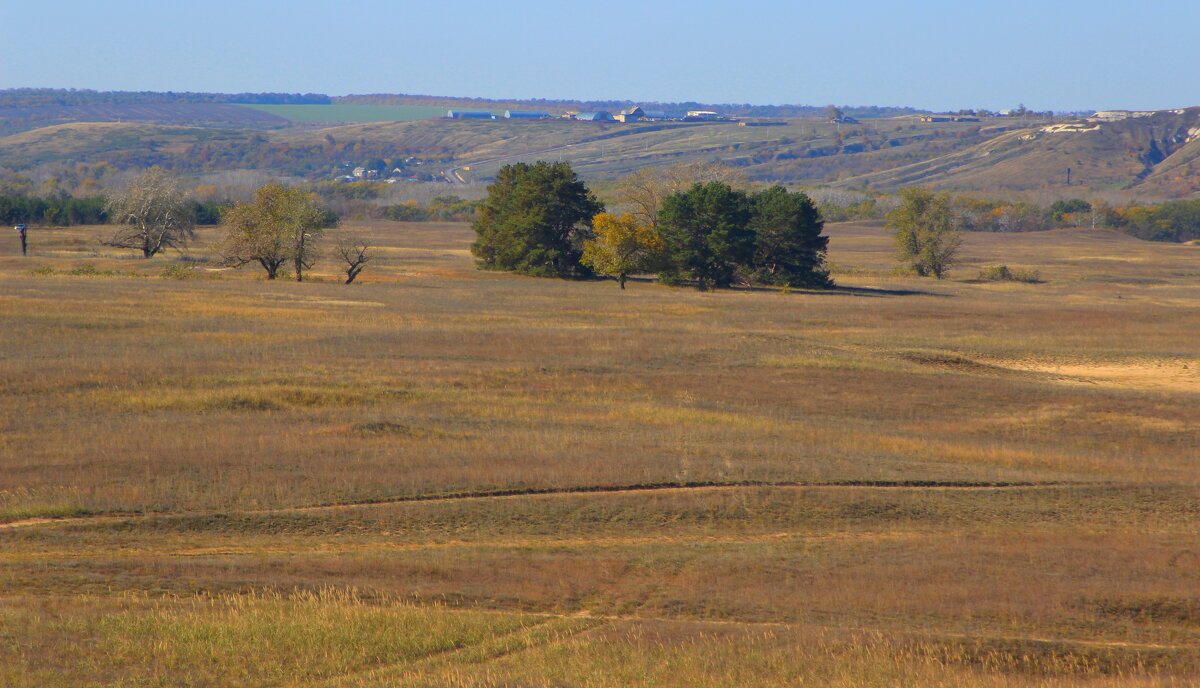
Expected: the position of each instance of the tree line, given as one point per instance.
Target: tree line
(540, 219)
(281, 227)
(65, 211)
(1174, 221)
(62, 97)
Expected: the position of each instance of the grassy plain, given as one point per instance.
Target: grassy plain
(447, 477)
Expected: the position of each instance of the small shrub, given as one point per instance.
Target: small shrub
(44, 270)
(90, 270)
(178, 271)
(1003, 273)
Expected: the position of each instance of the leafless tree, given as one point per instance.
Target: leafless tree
(642, 192)
(354, 255)
(152, 214)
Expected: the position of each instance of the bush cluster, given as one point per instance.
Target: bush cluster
(538, 220)
(1003, 273)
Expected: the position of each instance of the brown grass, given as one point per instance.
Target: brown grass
(169, 436)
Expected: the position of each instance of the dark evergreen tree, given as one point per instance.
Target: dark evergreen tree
(535, 220)
(789, 247)
(707, 235)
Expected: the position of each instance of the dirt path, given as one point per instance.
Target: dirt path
(518, 493)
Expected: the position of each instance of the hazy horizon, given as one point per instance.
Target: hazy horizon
(938, 56)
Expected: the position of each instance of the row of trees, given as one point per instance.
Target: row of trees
(540, 219)
(281, 226)
(56, 209)
(64, 211)
(928, 226)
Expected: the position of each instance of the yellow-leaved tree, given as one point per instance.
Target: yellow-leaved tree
(622, 246)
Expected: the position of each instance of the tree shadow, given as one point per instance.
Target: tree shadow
(878, 292)
(837, 290)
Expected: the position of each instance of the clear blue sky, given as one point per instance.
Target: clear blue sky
(1056, 54)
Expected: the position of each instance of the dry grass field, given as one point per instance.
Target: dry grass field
(445, 477)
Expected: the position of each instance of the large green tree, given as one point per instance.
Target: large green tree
(789, 246)
(535, 220)
(928, 231)
(707, 234)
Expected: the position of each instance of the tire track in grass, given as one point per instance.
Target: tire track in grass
(852, 628)
(559, 627)
(548, 630)
(517, 493)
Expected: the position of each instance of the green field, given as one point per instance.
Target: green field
(352, 113)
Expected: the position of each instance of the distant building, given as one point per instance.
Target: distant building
(966, 118)
(655, 114)
(936, 118)
(469, 114)
(526, 114)
(702, 116)
(633, 114)
(762, 123)
(600, 116)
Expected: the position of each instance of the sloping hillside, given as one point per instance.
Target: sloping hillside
(1150, 155)
(1153, 154)
(800, 151)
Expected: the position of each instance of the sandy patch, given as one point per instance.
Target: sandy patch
(1161, 375)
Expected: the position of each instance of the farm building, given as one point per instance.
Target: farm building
(655, 114)
(526, 114)
(702, 116)
(633, 114)
(469, 114)
(600, 116)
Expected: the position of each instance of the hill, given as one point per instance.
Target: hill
(800, 151)
(560, 105)
(1149, 153)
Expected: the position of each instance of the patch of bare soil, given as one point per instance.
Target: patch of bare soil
(1153, 375)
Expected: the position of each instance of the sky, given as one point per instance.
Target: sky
(1053, 55)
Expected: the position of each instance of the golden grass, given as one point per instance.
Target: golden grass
(173, 452)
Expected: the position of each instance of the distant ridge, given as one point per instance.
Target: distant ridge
(737, 109)
(62, 97)
(69, 97)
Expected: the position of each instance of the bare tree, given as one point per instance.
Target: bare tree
(354, 255)
(153, 214)
(282, 224)
(641, 193)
